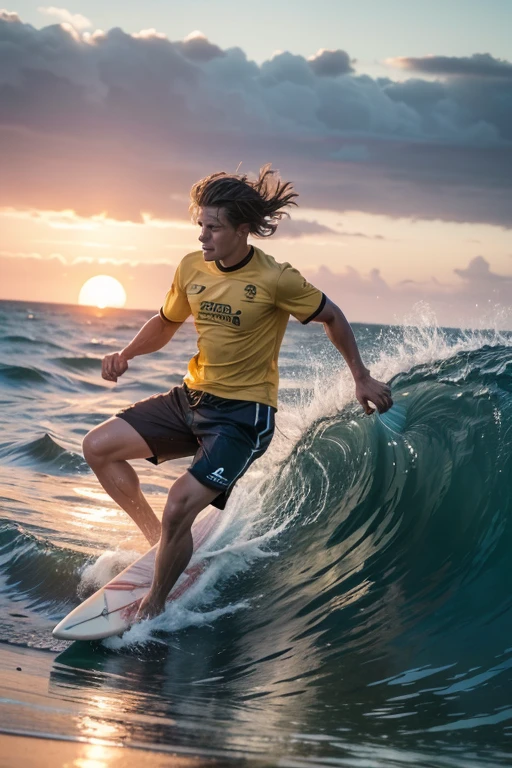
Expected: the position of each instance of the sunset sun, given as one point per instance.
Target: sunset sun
(102, 291)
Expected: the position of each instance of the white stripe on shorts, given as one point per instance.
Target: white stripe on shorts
(261, 434)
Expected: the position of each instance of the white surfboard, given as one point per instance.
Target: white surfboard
(112, 609)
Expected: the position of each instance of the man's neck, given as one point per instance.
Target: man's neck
(237, 256)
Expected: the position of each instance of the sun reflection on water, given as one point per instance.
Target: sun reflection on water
(95, 756)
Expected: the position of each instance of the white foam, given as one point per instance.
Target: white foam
(416, 340)
(175, 618)
(108, 565)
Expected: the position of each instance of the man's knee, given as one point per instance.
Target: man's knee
(101, 443)
(186, 499)
(91, 447)
(114, 440)
(178, 516)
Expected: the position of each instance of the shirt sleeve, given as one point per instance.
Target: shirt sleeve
(298, 297)
(176, 308)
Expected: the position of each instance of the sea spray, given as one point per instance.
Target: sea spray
(102, 570)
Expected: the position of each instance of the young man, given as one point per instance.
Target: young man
(223, 415)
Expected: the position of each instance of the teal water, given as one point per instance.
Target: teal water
(357, 608)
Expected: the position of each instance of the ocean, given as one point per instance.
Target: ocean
(357, 605)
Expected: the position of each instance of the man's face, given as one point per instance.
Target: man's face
(218, 238)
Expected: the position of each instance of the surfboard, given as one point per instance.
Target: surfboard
(112, 609)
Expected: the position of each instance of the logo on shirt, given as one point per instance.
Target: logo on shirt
(250, 291)
(194, 288)
(218, 477)
(211, 310)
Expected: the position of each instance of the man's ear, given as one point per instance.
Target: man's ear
(244, 230)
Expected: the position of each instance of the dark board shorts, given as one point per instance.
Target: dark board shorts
(224, 436)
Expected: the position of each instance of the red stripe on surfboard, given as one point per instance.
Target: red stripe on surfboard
(193, 574)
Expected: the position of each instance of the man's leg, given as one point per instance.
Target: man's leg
(186, 499)
(107, 449)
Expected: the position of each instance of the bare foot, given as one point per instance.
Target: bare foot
(148, 609)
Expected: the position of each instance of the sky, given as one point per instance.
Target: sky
(392, 119)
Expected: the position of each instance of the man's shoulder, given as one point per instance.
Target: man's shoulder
(192, 258)
(190, 262)
(267, 262)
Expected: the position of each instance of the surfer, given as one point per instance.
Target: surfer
(223, 414)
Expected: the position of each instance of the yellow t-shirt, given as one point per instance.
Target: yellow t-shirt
(240, 315)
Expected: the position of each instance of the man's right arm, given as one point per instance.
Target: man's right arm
(154, 335)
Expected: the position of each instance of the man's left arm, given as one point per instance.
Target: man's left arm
(340, 333)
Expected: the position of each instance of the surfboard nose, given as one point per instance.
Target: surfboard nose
(77, 624)
(113, 608)
(63, 632)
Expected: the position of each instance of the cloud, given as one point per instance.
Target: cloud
(124, 124)
(62, 14)
(87, 244)
(352, 153)
(197, 47)
(20, 255)
(368, 297)
(327, 63)
(479, 272)
(362, 236)
(477, 65)
(9, 16)
(294, 228)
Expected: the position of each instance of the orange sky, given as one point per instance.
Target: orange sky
(360, 260)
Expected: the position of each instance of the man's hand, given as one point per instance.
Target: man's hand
(113, 366)
(368, 389)
(338, 330)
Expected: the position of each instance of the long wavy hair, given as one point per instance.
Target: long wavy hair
(258, 203)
